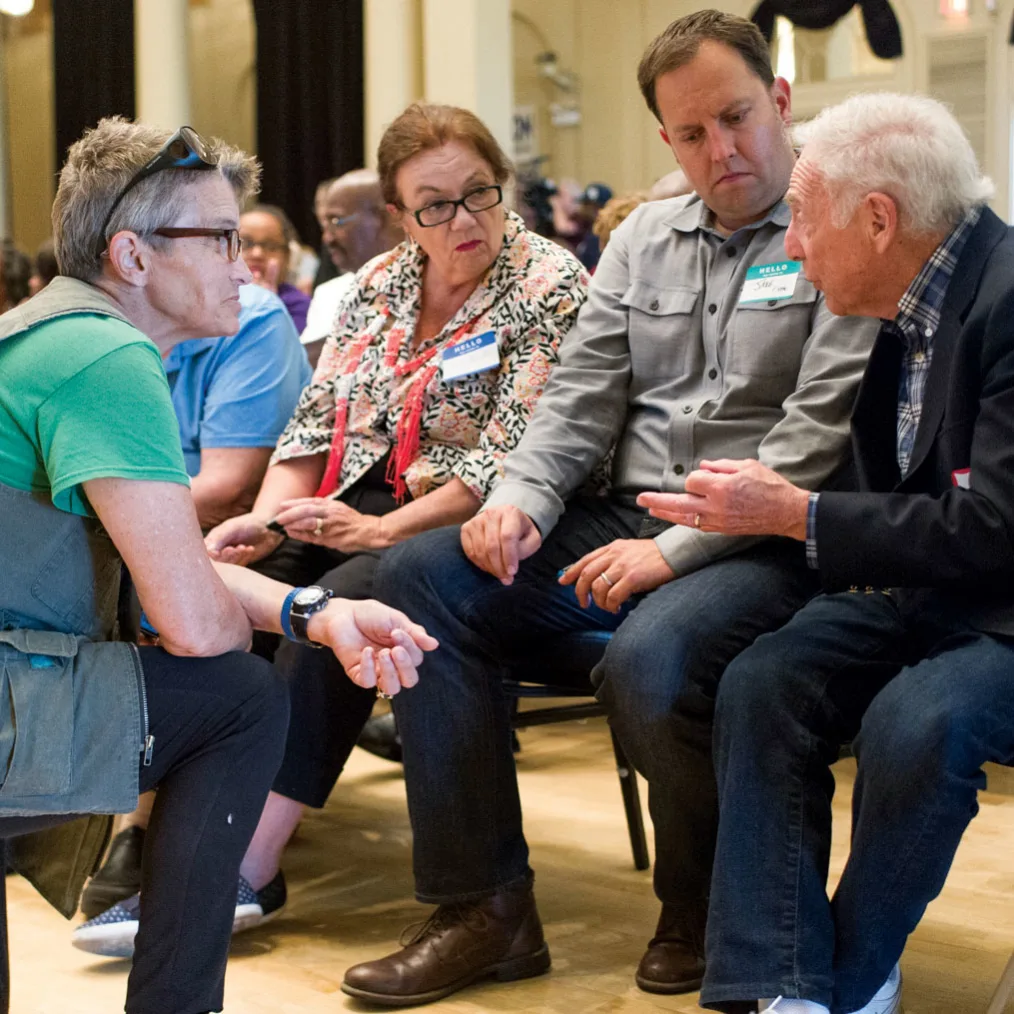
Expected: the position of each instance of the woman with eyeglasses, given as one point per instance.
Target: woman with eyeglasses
(434, 365)
(267, 237)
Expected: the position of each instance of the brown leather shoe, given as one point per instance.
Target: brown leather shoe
(498, 936)
(674, 960)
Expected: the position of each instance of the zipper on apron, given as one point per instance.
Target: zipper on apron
(148, 740)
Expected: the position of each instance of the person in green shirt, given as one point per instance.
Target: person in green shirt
(91, 478)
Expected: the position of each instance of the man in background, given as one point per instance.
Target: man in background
(356, 228)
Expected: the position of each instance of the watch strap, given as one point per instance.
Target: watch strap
(286, 614)
(299, 614)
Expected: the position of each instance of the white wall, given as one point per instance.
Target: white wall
(617, 142)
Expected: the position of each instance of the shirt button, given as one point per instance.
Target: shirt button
(678, 469)
(653, 305)
(687, 409)
(712, 308)
(712, 373)
(730, 251)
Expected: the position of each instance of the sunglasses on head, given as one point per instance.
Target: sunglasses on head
(184, 150)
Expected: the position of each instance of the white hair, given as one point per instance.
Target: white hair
(909, 147)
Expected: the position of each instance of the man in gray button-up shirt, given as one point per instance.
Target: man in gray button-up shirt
(700, 340)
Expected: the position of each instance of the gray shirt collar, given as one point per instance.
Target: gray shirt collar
(691, 213)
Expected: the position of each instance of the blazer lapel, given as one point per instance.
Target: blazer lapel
(960, 292)
(875, 417)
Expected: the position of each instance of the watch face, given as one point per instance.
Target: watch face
(307, 597)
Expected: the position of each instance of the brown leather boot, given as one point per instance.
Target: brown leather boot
(498, 936)
(674, 960)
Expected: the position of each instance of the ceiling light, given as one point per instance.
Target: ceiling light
(16, 8)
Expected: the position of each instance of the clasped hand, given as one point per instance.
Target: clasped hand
(323, 522)
(498, 539)
(326, 522)
(735, 498)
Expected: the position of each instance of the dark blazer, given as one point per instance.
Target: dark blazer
(926, 531)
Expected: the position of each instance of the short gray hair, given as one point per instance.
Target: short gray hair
(101, 164)
(909, 147)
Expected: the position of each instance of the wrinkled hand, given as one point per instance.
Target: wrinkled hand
(242, 540)
(341, 527)
(376, 645)
(735, 498)
(498, 539)
(632, 565)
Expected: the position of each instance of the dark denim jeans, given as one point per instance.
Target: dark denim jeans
(219, 728)
(455, 725)
(929, 700)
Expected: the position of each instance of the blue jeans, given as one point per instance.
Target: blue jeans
(669, 646)
(928, 700)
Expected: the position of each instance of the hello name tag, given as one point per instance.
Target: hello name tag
(470, 355)
(770, 281)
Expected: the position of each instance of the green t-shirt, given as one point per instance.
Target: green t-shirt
(84, 397)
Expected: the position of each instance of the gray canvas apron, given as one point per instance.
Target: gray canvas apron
(72, 712)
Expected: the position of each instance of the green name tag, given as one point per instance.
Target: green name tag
(770, 281)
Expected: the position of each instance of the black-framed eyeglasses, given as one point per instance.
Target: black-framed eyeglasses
(441, 212)
(184, 150)
(230, 237)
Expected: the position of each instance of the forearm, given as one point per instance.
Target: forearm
(216, 501)
(288, 480)
(809, 443)
(263, 598)
(451, 504)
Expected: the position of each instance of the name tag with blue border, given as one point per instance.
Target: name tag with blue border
(470, 355)
(770, 281)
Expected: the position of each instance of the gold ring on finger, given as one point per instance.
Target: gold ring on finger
(697, 521)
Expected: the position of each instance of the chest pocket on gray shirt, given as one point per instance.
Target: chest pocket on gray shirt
(767, 338)
(661, 324)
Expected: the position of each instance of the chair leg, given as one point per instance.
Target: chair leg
(5, 969)
(631, 805)
(1003, 991)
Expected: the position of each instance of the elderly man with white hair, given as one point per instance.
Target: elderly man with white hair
(910, 649)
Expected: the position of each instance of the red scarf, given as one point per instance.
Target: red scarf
(407, 434)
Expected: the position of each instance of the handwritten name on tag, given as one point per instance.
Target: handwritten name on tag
(470, 355)
(770, 281)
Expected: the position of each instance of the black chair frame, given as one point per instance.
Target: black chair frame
(574, 712)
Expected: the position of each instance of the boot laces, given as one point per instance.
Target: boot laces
(445, 917)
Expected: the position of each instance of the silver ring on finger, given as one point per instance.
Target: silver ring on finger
(318, 528)
(697, 521)
(605, 577)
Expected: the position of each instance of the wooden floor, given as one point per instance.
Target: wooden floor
(350, 895)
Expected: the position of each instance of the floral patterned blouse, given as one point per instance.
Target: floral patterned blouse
(529, 297)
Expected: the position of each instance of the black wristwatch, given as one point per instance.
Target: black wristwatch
(300, 604)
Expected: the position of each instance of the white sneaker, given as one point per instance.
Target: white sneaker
(112, 933)
(790, 1005)
(887, 999)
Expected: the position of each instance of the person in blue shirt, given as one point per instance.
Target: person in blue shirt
(233, 397)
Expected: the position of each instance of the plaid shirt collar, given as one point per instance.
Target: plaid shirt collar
(919, 308)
